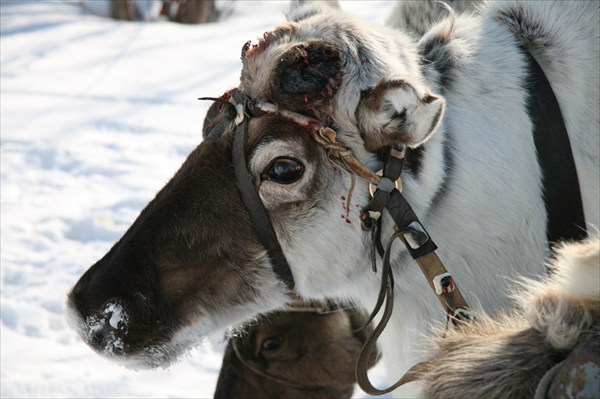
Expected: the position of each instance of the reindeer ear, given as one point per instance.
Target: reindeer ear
(392, 112)
(218, 117)
(307, 75)
(303, 9)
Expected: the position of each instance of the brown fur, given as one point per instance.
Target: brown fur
(162, 297)
(317, 350)
(506, 357)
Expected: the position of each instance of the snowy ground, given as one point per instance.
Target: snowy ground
(96, 115)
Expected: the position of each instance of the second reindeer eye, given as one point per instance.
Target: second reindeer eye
(271, 344)
(283, 170)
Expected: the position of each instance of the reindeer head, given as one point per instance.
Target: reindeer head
(192, 262)
(194, 241)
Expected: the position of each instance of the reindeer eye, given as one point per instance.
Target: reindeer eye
(271, 344)
(283, 170)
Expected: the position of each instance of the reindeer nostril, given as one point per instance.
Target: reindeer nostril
(106, 330)
(97, 337)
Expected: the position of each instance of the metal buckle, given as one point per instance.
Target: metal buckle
(415, 235)
(384, 180)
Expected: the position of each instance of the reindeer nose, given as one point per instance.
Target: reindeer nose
(105, 331)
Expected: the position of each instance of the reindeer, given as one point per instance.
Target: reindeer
(324, 101)
(305, 351)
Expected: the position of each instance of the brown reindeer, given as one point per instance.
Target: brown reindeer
(302, 352)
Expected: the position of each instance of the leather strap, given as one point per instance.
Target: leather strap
(421, 247)
(561, 190)
(437, 276)
(451, 299)
(258, 214)
(562, 197)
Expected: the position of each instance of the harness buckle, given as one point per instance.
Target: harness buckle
(385, 184)
(443, 283)
(415, 235)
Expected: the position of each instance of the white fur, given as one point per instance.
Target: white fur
(575, 277)
(417, 16)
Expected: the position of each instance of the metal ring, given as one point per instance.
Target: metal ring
(373, 187)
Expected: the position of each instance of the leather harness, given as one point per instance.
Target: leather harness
(562, 195)
(258, 214)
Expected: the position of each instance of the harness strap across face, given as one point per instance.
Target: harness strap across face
(258, 214)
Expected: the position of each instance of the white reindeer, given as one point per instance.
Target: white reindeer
(192, 262)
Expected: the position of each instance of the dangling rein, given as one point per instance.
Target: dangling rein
(386, 195)
(407, 227)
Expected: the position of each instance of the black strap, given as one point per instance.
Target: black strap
(258, 214)
(407, 221)
(562, 195)
(391, 171)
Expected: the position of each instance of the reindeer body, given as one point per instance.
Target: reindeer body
(458, 97)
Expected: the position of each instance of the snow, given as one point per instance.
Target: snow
(95, 116)
(118, 318)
